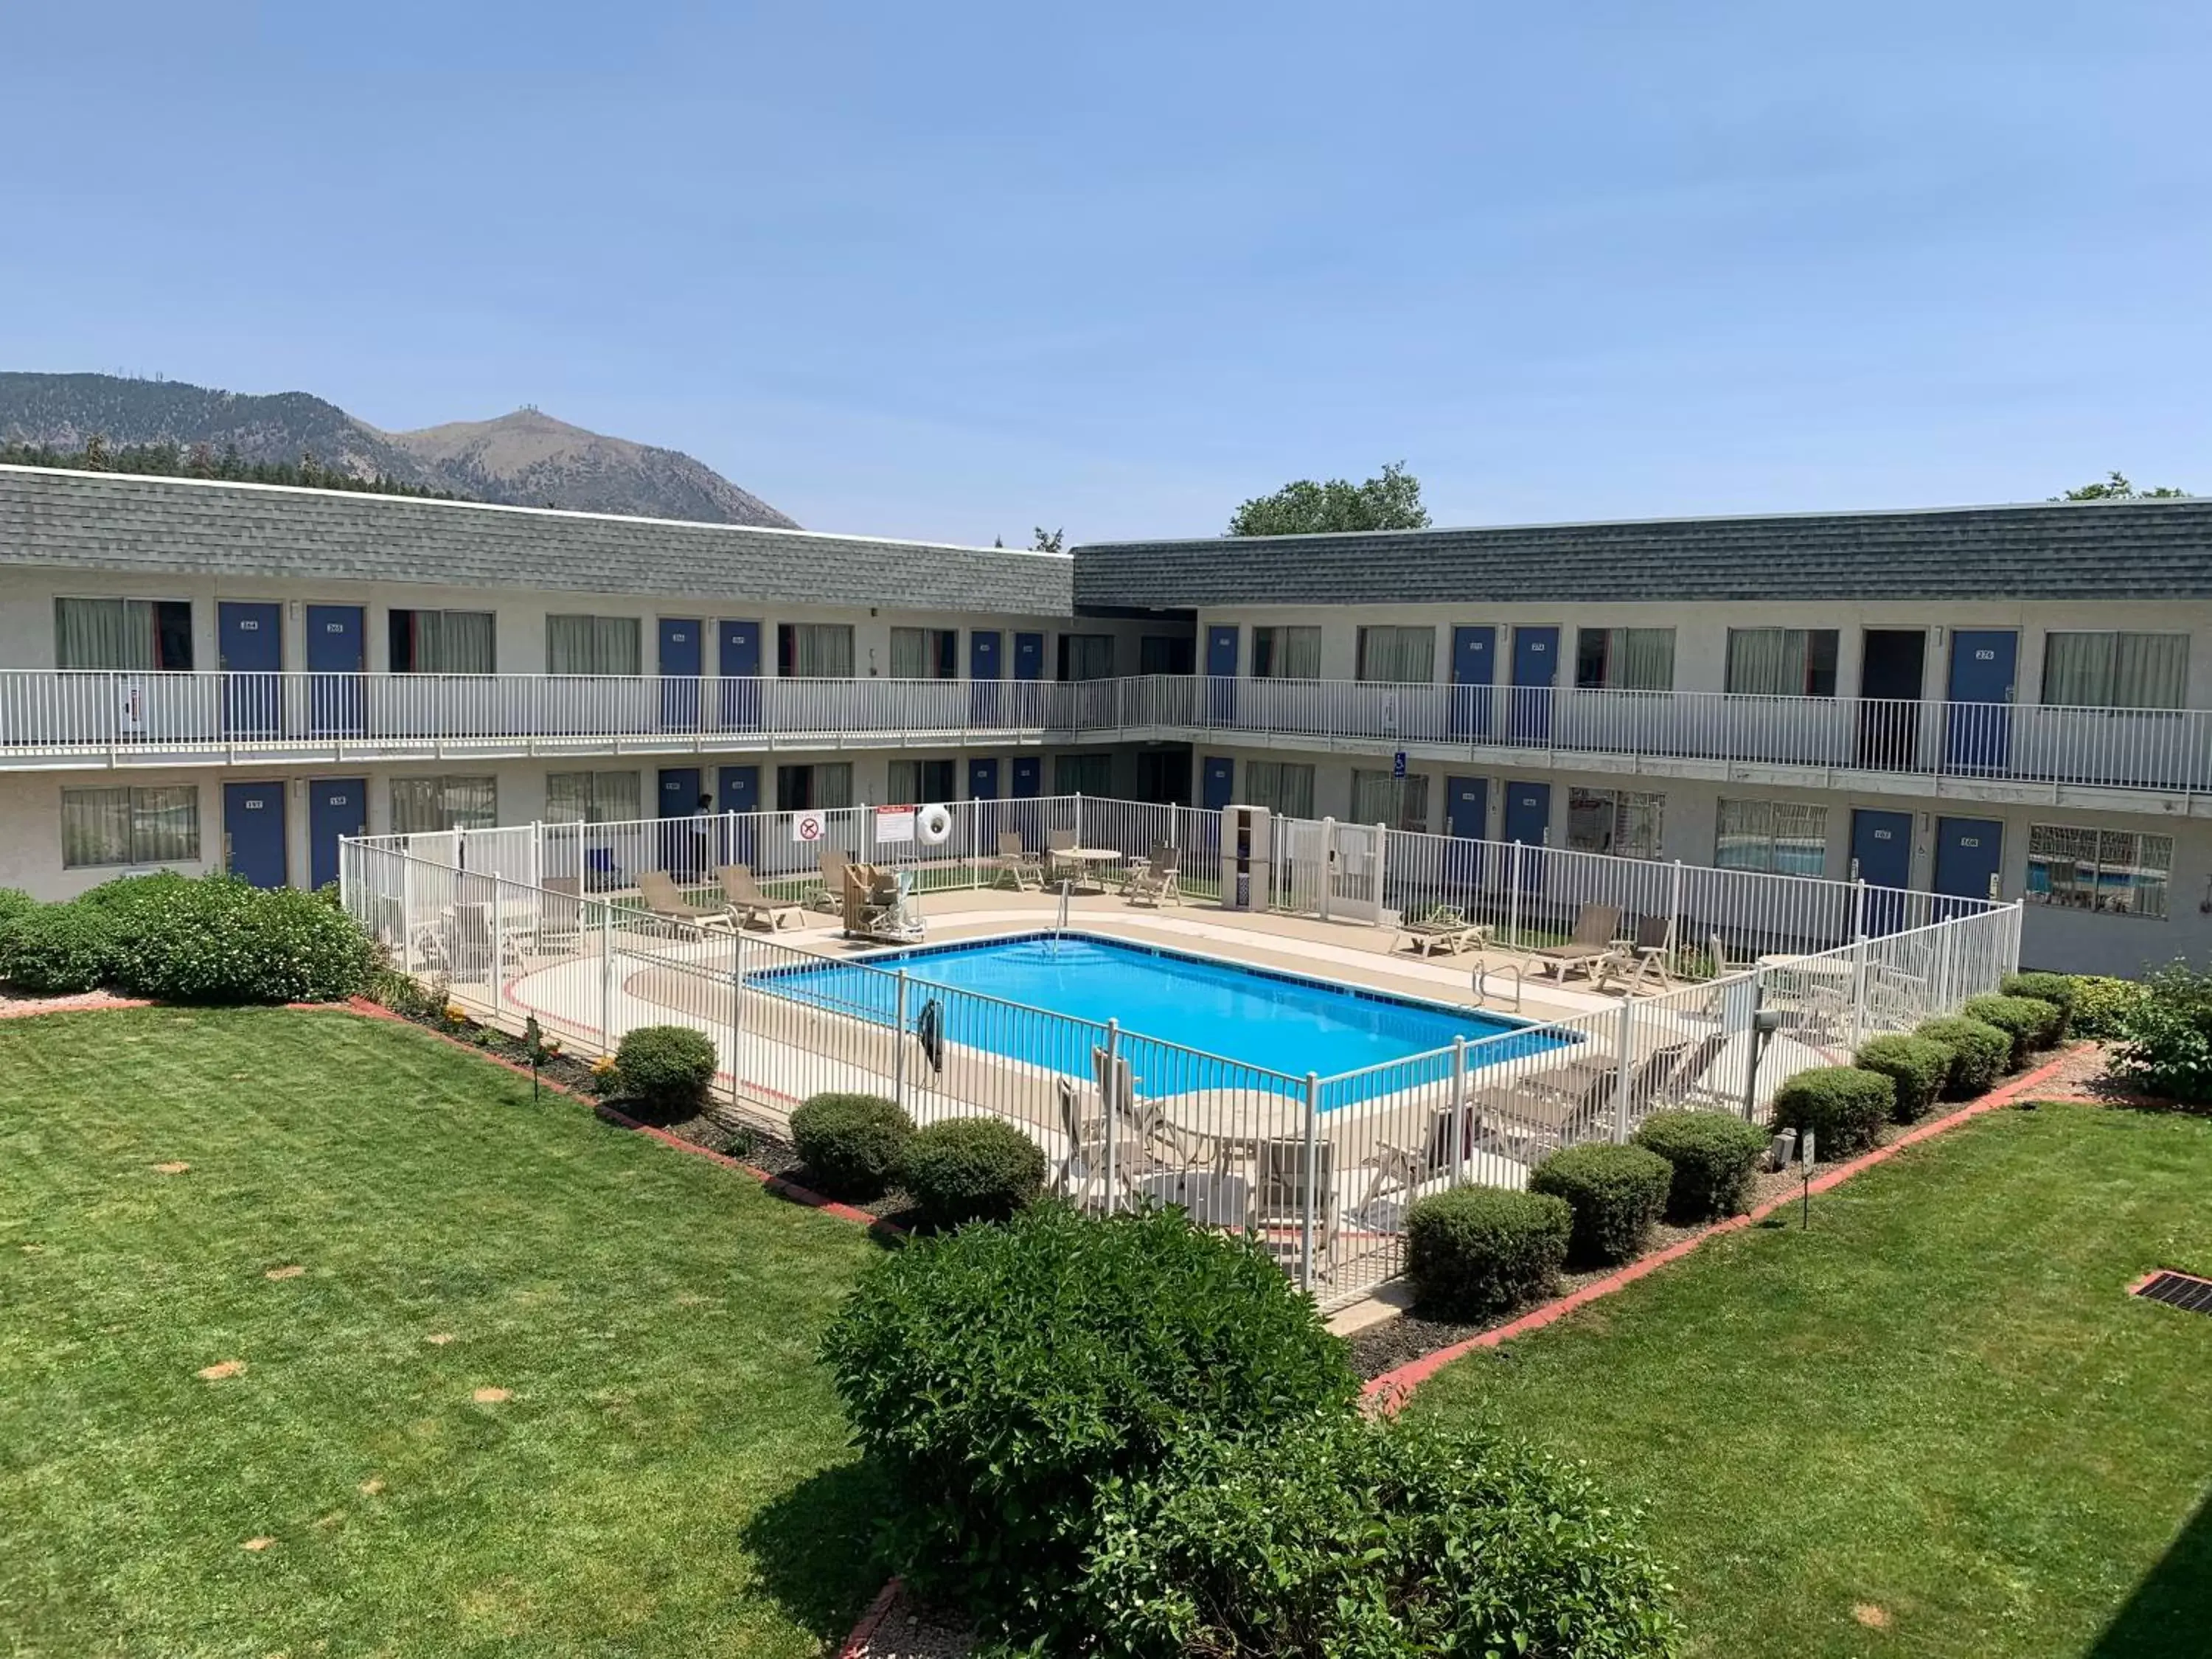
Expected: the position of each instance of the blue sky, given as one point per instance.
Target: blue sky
(954, 270)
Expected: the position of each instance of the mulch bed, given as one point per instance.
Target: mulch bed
(17, 1005)
(898, 1626)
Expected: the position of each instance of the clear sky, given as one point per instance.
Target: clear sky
(959, 269)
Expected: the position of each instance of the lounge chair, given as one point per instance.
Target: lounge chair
(1281, 1205)
(1445, 928)
(828, 896)
(666, 902)
(1159, 881)
(560, 915)
(747, 903)
(1589, 944)
(1647, 955)
(1015, 863)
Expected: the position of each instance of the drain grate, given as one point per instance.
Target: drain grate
(2183, 1291)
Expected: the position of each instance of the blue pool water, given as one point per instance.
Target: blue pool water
(1285, 1022)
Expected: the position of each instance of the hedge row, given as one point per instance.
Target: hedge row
(963, 1169)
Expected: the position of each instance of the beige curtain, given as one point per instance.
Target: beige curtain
(1284, 787)
(1643, 659)
(111, 634)
(593, 645)
(821, 651)
(95, 827)
(453, 642)
(1767, 661)
(1398, 656)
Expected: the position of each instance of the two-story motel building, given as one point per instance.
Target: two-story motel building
(2014, 700)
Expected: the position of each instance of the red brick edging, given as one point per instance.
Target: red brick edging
(871, 1621)
(1391, 1389)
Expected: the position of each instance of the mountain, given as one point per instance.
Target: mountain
(523, 460)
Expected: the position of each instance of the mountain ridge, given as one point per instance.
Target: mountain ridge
(524, 458)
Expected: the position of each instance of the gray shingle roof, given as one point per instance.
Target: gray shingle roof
(2101, 551)
(100, 520)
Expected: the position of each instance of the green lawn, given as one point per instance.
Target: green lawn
(1936, 1409)
(669, 1475)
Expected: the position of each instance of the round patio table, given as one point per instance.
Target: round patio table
(1094, 860)
(1235, 1120)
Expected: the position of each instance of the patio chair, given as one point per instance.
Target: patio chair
(1445, 928)
(1280, 1206)
(1058, 865)
(601, 873)
(1211, 1197)
(1159, 881)
(1647, 954)
(1589, 944)
(665, 901)
(560, 915)
(743, 894)
(1015, 863)
(828, 893)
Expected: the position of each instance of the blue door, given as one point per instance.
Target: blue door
(336, 807)
(1029, 656)
(738, 662)
(1221, 675)
(682, 845)
(1881, 857)
(1535, 672)
(1969, 852)
(986, 700)
(982, 780)
(1218, 786)
(1528, 821)
(1474, 675)
(1466, 816)
(337, 648)
(1028, 777)
(680, 665)
(1977, 725)
(737, 790)
(253, 833)
(251, 638)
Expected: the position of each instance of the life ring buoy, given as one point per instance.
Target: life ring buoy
(933, 823)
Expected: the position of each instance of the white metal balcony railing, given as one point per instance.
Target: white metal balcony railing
(47, 713)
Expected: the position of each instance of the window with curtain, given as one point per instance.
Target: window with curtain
(442, 642)
(1782, 662)
(1401, 803)
(593, 797)
(1624, 659)
(1781, 837)
(594, 645)
(1086, 657)
(1623, 823)
(1398, 656)
(455, 802)
(919, 780)
(1284, 787)
(925, 653)
(1160, 654)
(1286, 653)
(1083, 774)
(160, 825)
(814, 788)
(137, 635)
(814, 651)
(2115, 671)
(2117, 872)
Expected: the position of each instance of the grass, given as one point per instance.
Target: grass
(667, 1475)
(1933, 1424)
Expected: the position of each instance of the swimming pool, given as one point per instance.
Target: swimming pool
(1286, 1024)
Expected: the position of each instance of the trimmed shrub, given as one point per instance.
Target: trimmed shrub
(216, 939)
(1475, 1251)
(2166, 1035)
(1843, 1107)
(1001, 1375)
(1615, 1192)
(56, 950)
(1331, 1539)
(665, 1069)
(2024, 1020)
(1714, 1157)
(2101, 1005)
(1917, 1067)
(2060, 990)
(1978, 1053)
(972, 1169)
(14, 903)
(851, 1144)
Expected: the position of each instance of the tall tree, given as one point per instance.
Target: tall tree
(1392, 501)
(2116, 487)
(1048, 541)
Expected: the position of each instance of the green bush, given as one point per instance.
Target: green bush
(216, 939)
(1843, 1107)
(14, 903)
(665, 1069)
(1615, 1192)
(2060, 990)
(972, 1169)
(1714, 1157)
(850, 1144)
(1978, 1053)
(55, 950)
(2165, 1037)
(1377, 1538)
(1475, 1251)
(1001, 1375)
(1917, 1067)
(2024, 1020)
(2101, 1005)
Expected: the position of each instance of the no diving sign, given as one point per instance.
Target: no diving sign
(806, 826)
